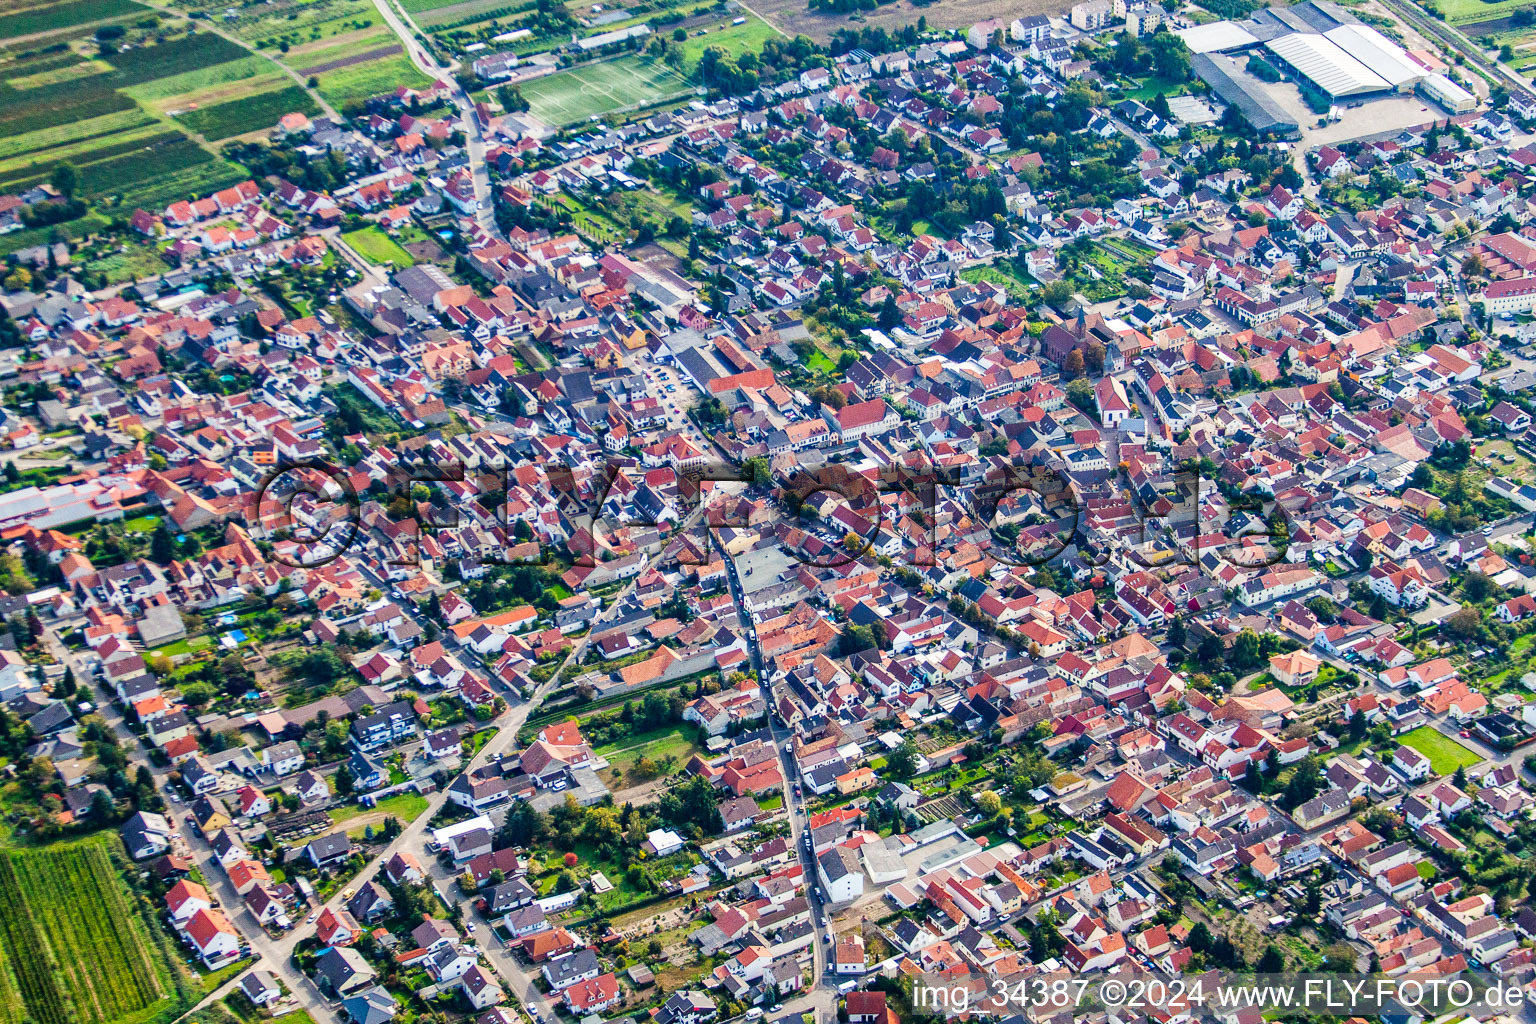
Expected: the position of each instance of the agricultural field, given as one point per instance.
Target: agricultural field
(594, 89)
(75, 948)
(248, 114)
(419, 7)
(45, 17)
(292, 23)
(106, 112)
(373, 245)
(354, 83)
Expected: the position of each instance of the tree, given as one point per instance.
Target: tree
(756, 471)
(1272, 962)
(162, 546)
(1170, 55)
(1210, 653)
(1074, 365)
(1472, 266)
(1477, 586)
(1247, 652)
(693, 805)
(989, 803)
(1465, 624)
(1177, 633)
(1080, 392)
(66, 179)
(524, 825)
(1305, 783)
(1339, 958)
(901, 763)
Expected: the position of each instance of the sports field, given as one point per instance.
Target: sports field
(580, 93)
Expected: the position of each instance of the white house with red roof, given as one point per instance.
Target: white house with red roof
(185, 899)
(213, 937)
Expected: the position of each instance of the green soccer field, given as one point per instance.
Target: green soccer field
(575, 95)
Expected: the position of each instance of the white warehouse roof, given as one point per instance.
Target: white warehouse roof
(1378, 53)
(1216, 37)
(1326, 66)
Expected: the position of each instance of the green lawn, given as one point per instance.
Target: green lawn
(1148, 88)
(675, 741)
(405, 806)
(1016, 286)
(734, 39)
(373, 245)
(211, 980)
(594, 89)
(186, 646)
(1445, 754)
(1472, 11)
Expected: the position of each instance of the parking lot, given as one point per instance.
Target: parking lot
(677, 395)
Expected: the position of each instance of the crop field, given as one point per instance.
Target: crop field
(357, 82)
(295, 22)
(52, 17)
(85, 98)
(468, 12)
(325, 51)
(415, 7)
(575, 95)
(107, 113)
(141, 171)
(942, 807)
(191, 83)
(248, 113)
(75, 948)
(353, 59)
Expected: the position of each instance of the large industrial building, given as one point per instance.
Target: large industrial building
(1237, 88)
(1324, 46)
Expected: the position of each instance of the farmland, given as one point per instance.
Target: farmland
(52, 17)
(93, 120)
(294, 22)
(248, 114)
(356, 82)
(76, 949)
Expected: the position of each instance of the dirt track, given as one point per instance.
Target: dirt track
(794, 18)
